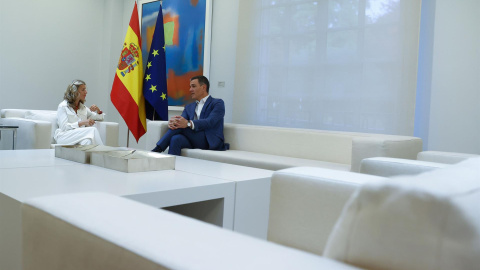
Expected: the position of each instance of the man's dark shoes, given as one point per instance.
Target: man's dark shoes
(157, 149)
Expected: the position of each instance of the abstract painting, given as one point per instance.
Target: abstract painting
(184, 24)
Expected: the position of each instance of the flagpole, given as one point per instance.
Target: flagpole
(128, 137)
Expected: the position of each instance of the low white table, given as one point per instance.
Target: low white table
(231, 196)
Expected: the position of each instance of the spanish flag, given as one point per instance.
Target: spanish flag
(127, 89)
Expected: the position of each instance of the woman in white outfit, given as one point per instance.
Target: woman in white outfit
(76, 121)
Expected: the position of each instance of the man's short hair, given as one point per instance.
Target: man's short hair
(202, 80)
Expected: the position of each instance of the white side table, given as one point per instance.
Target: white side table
(13, 129)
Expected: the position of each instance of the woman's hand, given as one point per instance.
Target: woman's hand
(94, 108)
(87, 123)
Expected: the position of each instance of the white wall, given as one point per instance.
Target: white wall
(45, 45)
(223, 52)
(455, 88)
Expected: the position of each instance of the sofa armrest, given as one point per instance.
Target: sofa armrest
(97, 231)
(305, 203)
(367, 147)
(387, 167)
(31, 134)
(12, 113)
(444, 157)
(155, 130)
(109, 132)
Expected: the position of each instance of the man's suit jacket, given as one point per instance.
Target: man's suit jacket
(210, 121)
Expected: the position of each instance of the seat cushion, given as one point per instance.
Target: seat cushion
(49, 116)
(259, 160)
(427, 221)
(444, 157)
(387, 167)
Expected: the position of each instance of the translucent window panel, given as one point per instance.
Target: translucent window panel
(304, 17)
(343, 13)
(302, 50)
(267, 3)
(275, 50)
(275, 20)
(343, 81)
(342, 45)
(298, 86)
(382, 42)
(381, 80)
(276, 78)
(382, 11)
(332, 64)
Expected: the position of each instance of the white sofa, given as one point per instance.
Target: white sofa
(444, 157)
(37, 127)
(275, 148)
(426, 161)
(427, 221)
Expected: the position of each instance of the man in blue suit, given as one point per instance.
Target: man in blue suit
(199, 126)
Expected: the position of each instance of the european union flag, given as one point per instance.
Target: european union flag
(155, 80)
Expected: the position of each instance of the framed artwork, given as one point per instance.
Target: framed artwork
(187, 25)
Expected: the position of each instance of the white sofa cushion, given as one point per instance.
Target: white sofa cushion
(260, 160)
(444, 157)
(329, 146)
(49, 116)
(427, 221)
(387, 167)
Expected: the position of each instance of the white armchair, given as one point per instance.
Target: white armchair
(37, 127)
(426, 161)
(444, 157)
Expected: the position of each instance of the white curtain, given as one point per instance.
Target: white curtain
(328, 64)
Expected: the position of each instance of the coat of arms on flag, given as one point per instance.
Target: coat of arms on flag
(128, 59)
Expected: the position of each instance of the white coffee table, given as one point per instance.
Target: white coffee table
(231, 196)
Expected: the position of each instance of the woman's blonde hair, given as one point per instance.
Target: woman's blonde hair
(71, 93)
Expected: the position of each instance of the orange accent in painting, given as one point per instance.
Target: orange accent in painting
(150, 31)
(194, 2)
(200, 46)
(179, 85)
